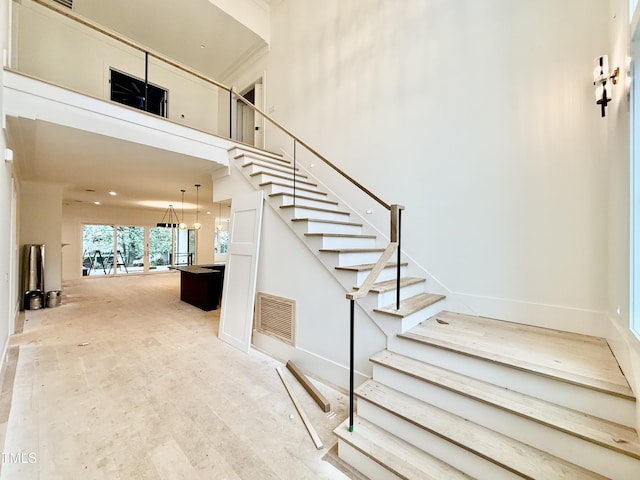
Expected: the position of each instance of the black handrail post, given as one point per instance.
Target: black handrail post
(294, 172)
(395, 236)
(230, 113)
(146, 80)
(351, 362)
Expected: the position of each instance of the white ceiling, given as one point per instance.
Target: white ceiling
(83, 161)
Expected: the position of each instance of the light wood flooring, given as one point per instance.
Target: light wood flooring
(125, 381)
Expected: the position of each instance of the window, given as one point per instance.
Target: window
(130, 91)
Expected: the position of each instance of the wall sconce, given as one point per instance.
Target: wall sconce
(197, 225)
(603, 80)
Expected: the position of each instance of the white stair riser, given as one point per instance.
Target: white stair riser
(251, 168)
(569, 447)
(348, 259)
(392, 325)
(363, 463)
(271, 189)
(280, 166)
(266, 177)
(410, 321)
(389, 297)
(301, 212)
(321, 227)
(239, 154)
(304, 202)
(595, 403)
(440, 448)
(388, 273)
(318, 242)
(379, 300)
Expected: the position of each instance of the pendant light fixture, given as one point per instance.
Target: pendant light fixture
(197, 225)
(219, 226)
(182, 225)
(172, 217)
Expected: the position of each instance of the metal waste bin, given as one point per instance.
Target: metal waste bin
(54, 297)
(33, 300)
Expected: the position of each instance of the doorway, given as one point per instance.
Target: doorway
(249, 124)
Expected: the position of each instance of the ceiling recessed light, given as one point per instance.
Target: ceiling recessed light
(96, 203)
(112, 193)
(202, 45)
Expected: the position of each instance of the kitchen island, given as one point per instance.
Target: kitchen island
(201, 285)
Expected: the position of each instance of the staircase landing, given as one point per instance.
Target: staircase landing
(573, 358)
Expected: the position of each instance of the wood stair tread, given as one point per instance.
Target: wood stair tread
(322, 220)
(317, 209)
(403, 459)
(320, 200)
(280, 184)
(368, 266)
(390, 285)
(260, 154)
(338, 235)
(411, 305)
(274, 167)
(284, 177)
(572, 358)
(351, 250)
(510, 454)
(602, 432)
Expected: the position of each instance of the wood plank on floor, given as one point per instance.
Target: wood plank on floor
(573, 358)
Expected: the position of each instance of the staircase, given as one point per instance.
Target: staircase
(454, 395)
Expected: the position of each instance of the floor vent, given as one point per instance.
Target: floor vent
(65, 3)
(276, 316)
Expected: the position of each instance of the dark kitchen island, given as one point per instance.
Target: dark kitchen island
(201, 285)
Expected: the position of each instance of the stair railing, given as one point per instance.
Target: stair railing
(394, 245)
(395, 210)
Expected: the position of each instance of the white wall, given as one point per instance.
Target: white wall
(64, 52)
(40, 219)
(478, 117)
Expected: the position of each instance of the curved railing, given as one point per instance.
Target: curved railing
(395, 210)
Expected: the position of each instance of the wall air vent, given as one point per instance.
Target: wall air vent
(65, 3)
(276, 316)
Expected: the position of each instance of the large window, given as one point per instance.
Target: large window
(116, 250)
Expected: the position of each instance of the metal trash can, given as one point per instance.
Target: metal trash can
(33, 300)
(54, 297)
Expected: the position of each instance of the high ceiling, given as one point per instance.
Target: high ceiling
(193, 32)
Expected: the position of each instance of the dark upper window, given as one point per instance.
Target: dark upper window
(129, 91)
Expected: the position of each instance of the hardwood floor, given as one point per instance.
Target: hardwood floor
(125, 381)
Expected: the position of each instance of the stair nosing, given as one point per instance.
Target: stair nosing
(322, 220)
(367, 266)
(283, 194)
(487, 390)
(318, 192)
(351, 250)
(273, 166)
(338, 235)
(429, 299)
(492, 438)
(283, 177)
(317, 209)
(390, 285)
(405, 468)
(270, 156)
